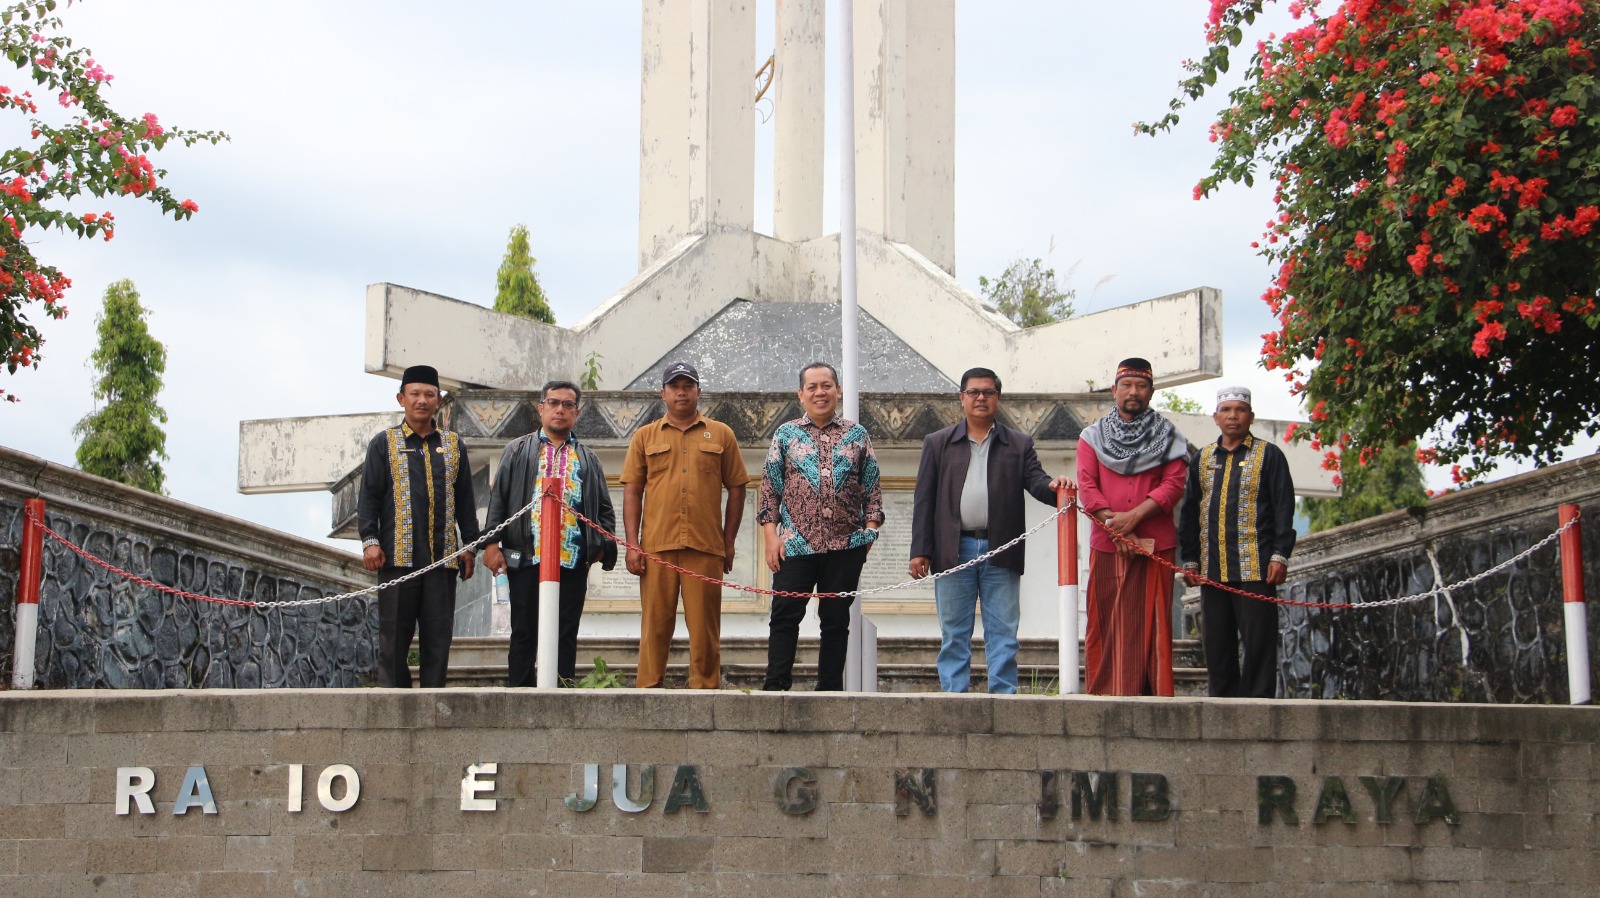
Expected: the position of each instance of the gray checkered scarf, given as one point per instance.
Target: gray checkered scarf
(1129, 447)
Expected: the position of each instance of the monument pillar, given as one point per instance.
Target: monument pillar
(798, 111)
(906, 124)
(696, 121)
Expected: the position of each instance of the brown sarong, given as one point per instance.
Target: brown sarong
(1128, 645)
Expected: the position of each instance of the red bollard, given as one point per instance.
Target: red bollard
(28, 579)
(550, 515)
(1576, 611)
(1067, 578)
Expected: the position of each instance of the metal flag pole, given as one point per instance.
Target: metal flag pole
(861, 652)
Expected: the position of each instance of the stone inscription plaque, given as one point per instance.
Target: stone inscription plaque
(891, 555)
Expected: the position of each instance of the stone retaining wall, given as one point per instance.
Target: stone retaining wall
(97, 629)
(1499, 640)
(482, 793)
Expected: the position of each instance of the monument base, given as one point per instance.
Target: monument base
(626, 792)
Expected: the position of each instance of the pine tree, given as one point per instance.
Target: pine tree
(122, 440)
(517, 289)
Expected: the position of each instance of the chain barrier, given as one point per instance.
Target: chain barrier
(845, 594)
(281, 603)
(624, 544)
(1441, 589)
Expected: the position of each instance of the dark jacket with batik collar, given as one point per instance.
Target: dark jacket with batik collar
(513, 489)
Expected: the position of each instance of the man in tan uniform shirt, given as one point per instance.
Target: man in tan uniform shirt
(672, 483)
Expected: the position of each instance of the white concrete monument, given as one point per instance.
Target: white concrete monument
(748, 308)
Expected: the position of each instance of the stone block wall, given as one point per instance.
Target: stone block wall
(1501, 639)
(482, 792)
(97, 629)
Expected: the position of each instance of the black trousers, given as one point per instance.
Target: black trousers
(522, 659)
(1229, 621)
(837, 571)
(426, 604)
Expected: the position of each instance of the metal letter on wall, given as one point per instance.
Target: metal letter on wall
(471, 786)
(352, 787)
(686, 791)
(297, 788)
(195, 791)
(591, 790)
(1383, 793)
(1151, 799)
(1333, 802)
(916, 784)
(1275, 793)
(1100, 794)
(135, 783)
(1049, 794)
(1436, 803)
(619, 788)
(803, 798)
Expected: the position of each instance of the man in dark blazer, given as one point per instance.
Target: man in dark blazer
(970, 486)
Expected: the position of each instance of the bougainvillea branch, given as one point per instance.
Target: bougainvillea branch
(78, 150)
(1437, 236)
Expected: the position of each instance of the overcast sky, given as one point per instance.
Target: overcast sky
(387, 141)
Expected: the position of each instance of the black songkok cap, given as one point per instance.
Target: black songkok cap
(420, 374)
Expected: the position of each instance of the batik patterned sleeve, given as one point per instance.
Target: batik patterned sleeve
(869, 481)
(772, 481)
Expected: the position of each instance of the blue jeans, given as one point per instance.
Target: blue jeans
(997, 592)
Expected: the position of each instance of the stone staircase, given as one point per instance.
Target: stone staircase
(905, 664)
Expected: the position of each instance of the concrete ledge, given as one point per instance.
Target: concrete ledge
(793, 794)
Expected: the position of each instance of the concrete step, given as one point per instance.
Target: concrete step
(477, 651)
(905, 664)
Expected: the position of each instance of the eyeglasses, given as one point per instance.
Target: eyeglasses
(567, 404)
(980, 394)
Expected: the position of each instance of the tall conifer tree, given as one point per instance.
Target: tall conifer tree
(517, 289)
(122, 439)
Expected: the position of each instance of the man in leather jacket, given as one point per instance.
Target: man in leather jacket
(552, 451)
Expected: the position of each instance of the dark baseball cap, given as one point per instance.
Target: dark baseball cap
(677, 370)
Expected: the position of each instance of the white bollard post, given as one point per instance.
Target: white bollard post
(28, 579)
(1577, 613)
(1067, 577)
(550, 515)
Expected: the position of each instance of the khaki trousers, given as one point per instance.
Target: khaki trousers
(702, 616)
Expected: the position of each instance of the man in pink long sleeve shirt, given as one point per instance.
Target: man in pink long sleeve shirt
(1131, 469)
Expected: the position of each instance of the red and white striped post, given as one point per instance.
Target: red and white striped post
(28, 578)
(1067, 578)
(1576, 611)
(550, 515)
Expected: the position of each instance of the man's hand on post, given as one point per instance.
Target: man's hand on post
(372, 558)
